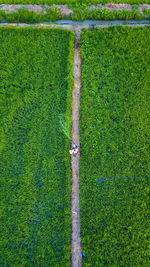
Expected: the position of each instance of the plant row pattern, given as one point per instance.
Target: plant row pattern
(36, 82)
(115, 138)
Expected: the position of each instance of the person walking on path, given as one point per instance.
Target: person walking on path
(74, 150)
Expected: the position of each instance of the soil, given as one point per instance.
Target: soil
(142, 7)
(15, 8)
(64, 10)
(112, 7)
(75, 203)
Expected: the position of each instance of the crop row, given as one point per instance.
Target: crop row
(114, 137)
(23, 15)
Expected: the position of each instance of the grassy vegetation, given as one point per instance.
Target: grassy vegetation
(114, 137)
(35, 85)
(104, 14)
(75, 2)
(146, 12)
(25, 16)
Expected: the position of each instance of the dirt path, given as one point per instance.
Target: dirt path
(75, 203)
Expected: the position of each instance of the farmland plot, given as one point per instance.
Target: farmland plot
(114, 137)
(35, 84)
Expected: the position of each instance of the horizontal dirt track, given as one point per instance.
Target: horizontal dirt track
(74, 28)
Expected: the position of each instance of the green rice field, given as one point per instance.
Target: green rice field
(36, 82)
(115, 145)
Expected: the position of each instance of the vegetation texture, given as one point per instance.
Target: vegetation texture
(115, 138)
(35, 85)
(25, 16)
(105, 14)
(74, 2)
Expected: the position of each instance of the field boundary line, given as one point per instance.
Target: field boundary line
(74, 28)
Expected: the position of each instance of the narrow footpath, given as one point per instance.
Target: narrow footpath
(75, 203)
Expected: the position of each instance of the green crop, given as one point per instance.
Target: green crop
(25, 16)
(36, 82)
(146, 12)
(72, 2)
(80, 13)
(114, 138)
(105, 14)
